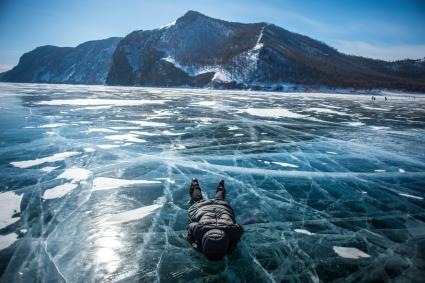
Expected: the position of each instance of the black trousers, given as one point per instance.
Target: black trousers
(197, 195)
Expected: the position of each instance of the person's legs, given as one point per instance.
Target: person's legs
(195, 191)
(221, 191)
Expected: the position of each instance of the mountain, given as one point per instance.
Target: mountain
(88, 63)
(200, 51)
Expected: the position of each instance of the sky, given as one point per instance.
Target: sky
(381, 29)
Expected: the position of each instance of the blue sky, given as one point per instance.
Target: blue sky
(390, 29)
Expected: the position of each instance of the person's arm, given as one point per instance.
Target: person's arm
(194, 235)
(235, 232)
(190, 231)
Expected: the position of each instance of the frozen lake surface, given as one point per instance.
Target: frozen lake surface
(94, 184)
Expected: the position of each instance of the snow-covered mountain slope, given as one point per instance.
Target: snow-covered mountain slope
(200, 51)
(88, 63)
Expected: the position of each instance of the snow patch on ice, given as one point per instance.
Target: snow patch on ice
(94, 102)
(326, 110)
(148, 123)
(205, 103)
(375, 108)
(7, 240)
(10, 204)
(134, 214)
(379, 128)
(101, 130)
(108, 146)
(53, 125)
(355, 124)
(126, 137)
(75, 174)
(168, 133)
(352, 253)
(233, 128)
(104, 183)
(272, 112)
(54, 158)
(303, 231)
(284, 164)
(59, 191)
(48, 169)
(141, 133)
(410, 196)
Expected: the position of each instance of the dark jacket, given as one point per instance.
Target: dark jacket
(205, 215)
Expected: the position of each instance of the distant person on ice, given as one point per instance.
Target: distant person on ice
(212, 229)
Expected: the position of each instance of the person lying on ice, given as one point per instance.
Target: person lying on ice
(212, 229)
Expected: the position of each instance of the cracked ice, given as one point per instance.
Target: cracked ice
(95, 184)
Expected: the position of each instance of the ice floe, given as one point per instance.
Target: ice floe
(49, 159)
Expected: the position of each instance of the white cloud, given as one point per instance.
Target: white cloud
(389, 53)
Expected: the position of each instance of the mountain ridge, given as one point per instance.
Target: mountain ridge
(200, 51)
